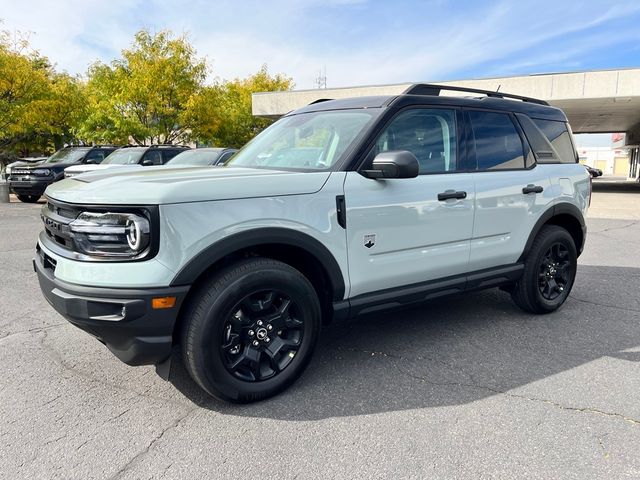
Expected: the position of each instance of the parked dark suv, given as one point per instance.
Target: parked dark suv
(129, 156)
(29, 182)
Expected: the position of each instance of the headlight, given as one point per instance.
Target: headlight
(45, 172)
(111, 234)
(8, 170)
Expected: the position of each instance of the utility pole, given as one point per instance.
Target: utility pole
(321, 79)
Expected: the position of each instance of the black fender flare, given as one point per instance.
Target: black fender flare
(262, 236)
(563, 208)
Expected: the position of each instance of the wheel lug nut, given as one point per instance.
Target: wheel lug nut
(251, 333)
(256, 343)
(267, 339)
(259, 322)
(269, 327)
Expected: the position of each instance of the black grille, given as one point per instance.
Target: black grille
(63, 211)
(56, 219)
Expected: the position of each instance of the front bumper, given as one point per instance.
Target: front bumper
(120, 318)
(29, 187)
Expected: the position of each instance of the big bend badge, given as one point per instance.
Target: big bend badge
(370, 240)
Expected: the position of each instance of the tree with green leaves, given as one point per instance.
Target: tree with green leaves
(39, 108)
(22, 86)
(144, 95)
(154, 93)
(221, 114)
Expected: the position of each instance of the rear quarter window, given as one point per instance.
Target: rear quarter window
(560, 138)
(498, 144)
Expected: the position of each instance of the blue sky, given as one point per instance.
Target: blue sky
(357, 41)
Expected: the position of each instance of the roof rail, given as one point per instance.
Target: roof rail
(156, 145)
(168, 145)
(431, 89)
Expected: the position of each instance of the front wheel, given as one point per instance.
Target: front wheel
(250, 330)
(549, 271)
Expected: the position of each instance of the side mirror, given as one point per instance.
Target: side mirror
(91, 161)
(147, 163)
(394, 164)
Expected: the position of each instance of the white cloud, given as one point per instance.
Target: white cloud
(359, 43)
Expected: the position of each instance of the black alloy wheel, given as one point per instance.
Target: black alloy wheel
(549, 271)
(261, 336)
(555, 271)
(249, 330)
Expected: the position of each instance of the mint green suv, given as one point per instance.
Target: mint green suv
(338, 209)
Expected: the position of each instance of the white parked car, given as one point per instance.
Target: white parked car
(131, 157)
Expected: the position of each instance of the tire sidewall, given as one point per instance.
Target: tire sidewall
(207, 356)
(562, 236)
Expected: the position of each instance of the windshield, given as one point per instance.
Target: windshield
(309, 141)
(125, 156)
(67, 155)
(196, 157)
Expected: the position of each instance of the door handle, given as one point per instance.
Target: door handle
(532, 189)
(451, 194)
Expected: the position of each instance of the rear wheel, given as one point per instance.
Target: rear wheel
(28, 198)
(250, 330)
(549, 272)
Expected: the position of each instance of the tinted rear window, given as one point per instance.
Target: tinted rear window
(498, 144)
(558, 135)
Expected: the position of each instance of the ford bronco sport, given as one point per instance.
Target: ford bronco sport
(29, 182)
(340, 208)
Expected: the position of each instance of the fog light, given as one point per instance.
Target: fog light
(163, 302)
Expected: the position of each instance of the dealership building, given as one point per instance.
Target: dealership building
(603, 101)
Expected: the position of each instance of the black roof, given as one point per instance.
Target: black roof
(161, 145)
(346, 103)
(89, 146)
(426, 95)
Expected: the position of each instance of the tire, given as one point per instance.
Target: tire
(549, 272)
(222, 325)
(28, 198)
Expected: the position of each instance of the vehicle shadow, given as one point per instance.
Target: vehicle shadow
(615, 187)
(451, 351)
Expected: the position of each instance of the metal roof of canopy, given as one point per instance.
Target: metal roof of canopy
(594, 101)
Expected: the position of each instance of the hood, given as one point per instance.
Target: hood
(54, 167)
(89, 167)
(159, 185)
(27, 163)
(22, 165)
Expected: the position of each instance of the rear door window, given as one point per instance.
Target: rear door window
(498, 144)
(169, 154)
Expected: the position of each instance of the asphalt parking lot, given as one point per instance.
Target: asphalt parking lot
(465, 387)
